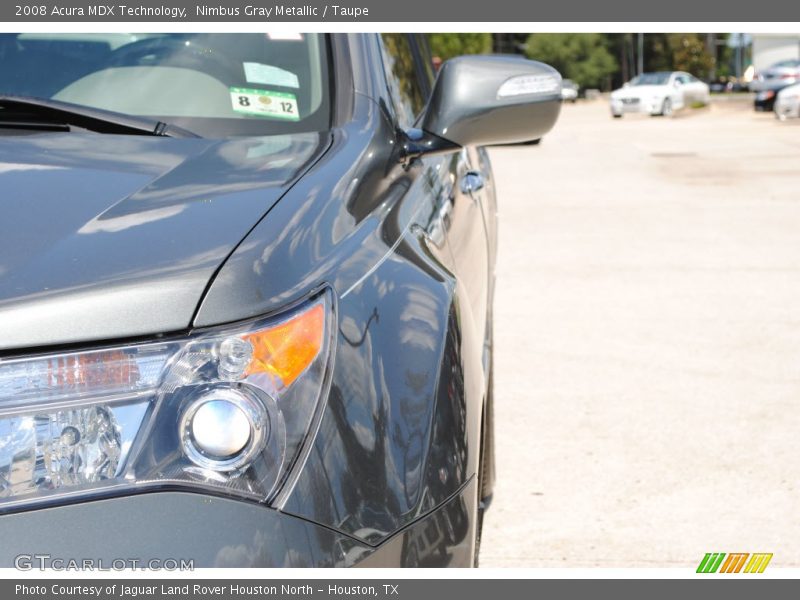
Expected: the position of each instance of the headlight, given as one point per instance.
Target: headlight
(229, 410)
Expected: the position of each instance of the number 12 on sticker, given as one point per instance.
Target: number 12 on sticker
(264, 103)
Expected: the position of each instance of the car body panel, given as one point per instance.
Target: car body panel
(400, 433)
(765, 98)
(681, 89)
(769, 82)
(787, 104)
(213, 232)
(217, 533)
(108, 237)
(383, 237)
(644, 99)
(569, 90)
(782, 73)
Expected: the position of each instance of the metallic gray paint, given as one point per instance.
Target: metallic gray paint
(107, 237)
(186, 234)
(464, 107)
(217, 532)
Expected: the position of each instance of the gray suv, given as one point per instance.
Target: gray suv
(246, 290)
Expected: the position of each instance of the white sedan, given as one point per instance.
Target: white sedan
(659, 93)
(569, 91)
(787, 104)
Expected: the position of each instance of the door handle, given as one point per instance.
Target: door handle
(471, 182)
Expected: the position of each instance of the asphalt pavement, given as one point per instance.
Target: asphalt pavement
(647, 329)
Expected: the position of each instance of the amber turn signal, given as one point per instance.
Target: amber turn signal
(287, 349)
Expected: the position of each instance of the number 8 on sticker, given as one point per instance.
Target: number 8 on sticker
(264, 103)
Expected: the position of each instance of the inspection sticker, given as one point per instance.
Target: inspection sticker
(265, 103)
(269, 75)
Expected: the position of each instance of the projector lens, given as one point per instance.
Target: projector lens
(224, 429)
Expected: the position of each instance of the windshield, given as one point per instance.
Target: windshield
(213, 84)
(651, 79)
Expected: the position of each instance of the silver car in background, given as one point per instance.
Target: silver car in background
(569, 91)
(787, 103)
(785, 72)
(768, 83)
(659, 93)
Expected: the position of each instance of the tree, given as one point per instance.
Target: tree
(689, 53)
(448, 45)
(582, 57)
(725, 54)
(678, 52)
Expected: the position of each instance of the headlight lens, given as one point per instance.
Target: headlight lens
(229, 410)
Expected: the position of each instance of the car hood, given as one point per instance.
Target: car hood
(105, 237)
(639, 91)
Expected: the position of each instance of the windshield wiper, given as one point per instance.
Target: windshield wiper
(30, 113)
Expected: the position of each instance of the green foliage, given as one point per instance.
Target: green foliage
(582, 57)
(689, 54)
(725, 58)
(678, 52)
(657, 54)
(448, 45)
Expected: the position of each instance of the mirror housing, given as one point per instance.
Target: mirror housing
(485, 100)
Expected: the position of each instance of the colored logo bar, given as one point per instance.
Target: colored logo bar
(736, 562)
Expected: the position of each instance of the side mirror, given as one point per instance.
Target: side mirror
(484, 100)
(626, 84)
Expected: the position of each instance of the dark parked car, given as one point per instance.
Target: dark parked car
(764, 100)
(769, 82)
(246, 295)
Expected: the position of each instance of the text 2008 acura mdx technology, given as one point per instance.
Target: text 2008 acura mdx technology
(246, 295)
